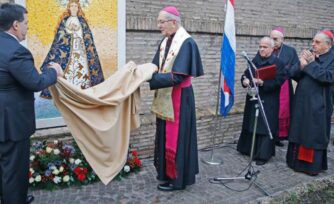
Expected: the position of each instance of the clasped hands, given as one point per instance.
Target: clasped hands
(305, 58)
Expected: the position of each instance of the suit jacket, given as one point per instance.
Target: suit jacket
(19, 79)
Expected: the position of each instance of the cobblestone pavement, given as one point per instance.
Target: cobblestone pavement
(274, 177)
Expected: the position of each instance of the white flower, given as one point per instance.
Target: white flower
(55, 142)
(61, 169)
(66, 178)
(31, 170)
(77, 161)
(56, 151)
(126, 168)
(38, 178)
(48, 149)
(31, 180)
(55, 171)
(52, 167)
(57, 179)
(32, 157)
(71, 160)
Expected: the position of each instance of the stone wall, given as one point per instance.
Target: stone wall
(6, 1)
(205, 21)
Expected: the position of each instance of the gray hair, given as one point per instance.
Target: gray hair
(325, 37)
(268, 39)
(170, 16)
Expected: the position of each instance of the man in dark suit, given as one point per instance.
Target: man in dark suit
(19, 80)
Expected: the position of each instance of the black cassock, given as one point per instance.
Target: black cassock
(289, 57)
(187, 64)
(269, 93)
(311, 115)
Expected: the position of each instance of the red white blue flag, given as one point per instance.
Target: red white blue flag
(227, 63)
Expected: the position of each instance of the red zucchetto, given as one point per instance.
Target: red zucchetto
(328, 33)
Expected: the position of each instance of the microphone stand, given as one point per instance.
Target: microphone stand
(259, 101)
(251, 174)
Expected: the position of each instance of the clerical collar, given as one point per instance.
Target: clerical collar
(12, 36)
(267, 60)
(278, 48)
(172, 36)
(323, 57)
(277, 51)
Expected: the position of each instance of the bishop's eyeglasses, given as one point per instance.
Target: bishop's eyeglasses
(160, 22)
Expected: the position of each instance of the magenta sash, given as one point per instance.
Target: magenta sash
(172, 130)
(284, 110)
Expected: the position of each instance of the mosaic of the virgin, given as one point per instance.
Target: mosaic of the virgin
(74, 49)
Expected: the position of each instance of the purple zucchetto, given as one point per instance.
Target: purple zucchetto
(279, 29)
(172, 10)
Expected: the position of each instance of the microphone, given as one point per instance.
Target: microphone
(244, 54)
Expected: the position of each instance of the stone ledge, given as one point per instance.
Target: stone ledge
(52, 133)
(141, 23)
(145, 119)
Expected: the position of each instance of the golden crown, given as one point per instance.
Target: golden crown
(83, 3)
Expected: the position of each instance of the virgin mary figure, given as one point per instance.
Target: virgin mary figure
(74, 49)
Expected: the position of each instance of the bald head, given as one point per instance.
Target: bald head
(278, 38)
(266, 47)
(268, 41)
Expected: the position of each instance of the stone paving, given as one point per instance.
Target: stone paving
(274, 177)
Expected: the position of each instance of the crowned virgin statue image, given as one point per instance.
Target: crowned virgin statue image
(74, 49)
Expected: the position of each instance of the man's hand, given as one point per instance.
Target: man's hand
(303, 62)
(57, 67)
(258, 82)
(245, 82)
(306, 57)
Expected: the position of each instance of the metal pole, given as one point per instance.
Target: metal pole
(254, 132)
(250, 173)
(212, 161)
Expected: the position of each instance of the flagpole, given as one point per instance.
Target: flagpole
(212, 161)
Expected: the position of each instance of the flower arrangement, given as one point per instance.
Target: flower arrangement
(133, 164)
(61, 164)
